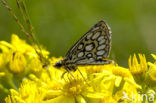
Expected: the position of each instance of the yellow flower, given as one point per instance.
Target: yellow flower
(152, 72)
(88, 84)
(138, 68)
(17, 62)
(84, 87)
(71, 89)
(28, 93)
(34, 65)
(154, 56)
(19, 54)
(4, 56)
(116, 80)
(152, 75)
(20, 58)
(56, 90)
(107, 99)
(20, 45)
(126, 76)
(74, 91)
(152, 65)
(2, 63)
(2, 74)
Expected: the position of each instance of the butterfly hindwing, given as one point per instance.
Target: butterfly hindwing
(93, 46)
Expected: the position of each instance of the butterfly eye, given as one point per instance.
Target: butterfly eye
(58, 64)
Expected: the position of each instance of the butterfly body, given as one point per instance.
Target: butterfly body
(93, 48)
(67, 64)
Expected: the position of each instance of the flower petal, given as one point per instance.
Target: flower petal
(80, 99)
(61, 99)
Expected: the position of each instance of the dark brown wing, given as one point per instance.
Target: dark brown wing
(94, 45)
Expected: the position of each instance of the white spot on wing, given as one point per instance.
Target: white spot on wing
(102, 41)
(101, 52)
(89, 55)
(91, 59)
(101, 47)
(89, 35)
(80, 54)
(80, 46)
(99, 57)
(96, 35)
(100, 38)
(89, 47)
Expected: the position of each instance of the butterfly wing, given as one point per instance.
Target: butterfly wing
(93, 46)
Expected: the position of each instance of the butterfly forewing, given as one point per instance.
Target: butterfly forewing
(93, 46)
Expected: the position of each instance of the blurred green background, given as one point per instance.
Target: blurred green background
(60, 23)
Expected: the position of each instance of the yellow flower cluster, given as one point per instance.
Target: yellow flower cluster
(26, 81)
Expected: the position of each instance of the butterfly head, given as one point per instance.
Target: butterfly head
(58, 64)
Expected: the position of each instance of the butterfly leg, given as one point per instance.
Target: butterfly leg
(63, 75)
(67, 76)
(82, 76)
(68, 70)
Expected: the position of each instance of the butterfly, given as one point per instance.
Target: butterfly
(93, 48)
